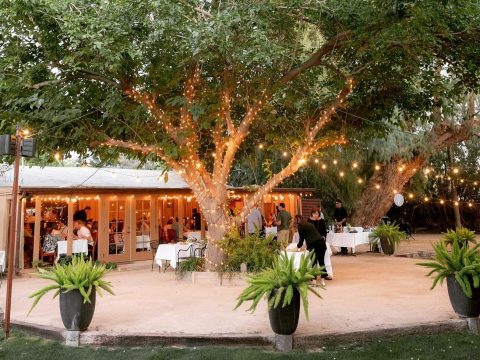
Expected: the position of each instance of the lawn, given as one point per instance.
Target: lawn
(442, 346)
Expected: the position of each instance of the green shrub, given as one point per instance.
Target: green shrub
(189, 265)
(255, 251)
(65, 259)
(80, 274)
(109, 265)
(282, 276)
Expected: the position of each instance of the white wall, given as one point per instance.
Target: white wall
(4, 216)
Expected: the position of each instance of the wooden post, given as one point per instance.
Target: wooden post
(37, 230)
(70, 228)
(11, 238)
(153, 218)
(181, 215)
(202, 226)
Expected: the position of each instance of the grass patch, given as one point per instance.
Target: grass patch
(441, 346)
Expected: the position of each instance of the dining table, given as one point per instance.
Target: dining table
(171, 254)
(79, 246)
(349, 239)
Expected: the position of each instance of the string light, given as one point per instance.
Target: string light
(377, 167)
(57, 156)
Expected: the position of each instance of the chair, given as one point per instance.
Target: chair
(186, 253)
(94, 245)
(154, 246)
(50, 256)
(200, 251)
(171, 235)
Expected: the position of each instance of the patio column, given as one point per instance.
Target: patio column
(154, 218)
(19, 256)
(36, 230)
(202, 226)
(70, 228)
(181, 215)
(293, 208)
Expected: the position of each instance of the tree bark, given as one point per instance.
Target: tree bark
(453, 183)
(377, 198)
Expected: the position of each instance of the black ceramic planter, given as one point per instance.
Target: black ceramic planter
(463, 305)
(387, 247)
(75, 314)
(284, 320)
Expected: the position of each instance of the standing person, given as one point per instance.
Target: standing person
(283, 226)
(197, 220)
(82, 215)
(254, 220)
(314, 241)
(340, 217)
(316, 220)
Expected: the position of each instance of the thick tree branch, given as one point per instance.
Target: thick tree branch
(297, 161)
(316, 59)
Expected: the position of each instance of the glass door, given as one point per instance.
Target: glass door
(142, 230)
(118, 231)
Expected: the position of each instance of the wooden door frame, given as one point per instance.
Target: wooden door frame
(103, 220)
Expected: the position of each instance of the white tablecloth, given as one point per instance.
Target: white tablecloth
(78, 246)
(143, 242)
(169, 252)
(271, 230)
(348, 239)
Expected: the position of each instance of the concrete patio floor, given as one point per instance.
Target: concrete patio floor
(369, 292)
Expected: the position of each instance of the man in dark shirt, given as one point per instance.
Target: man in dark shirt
(197, 221)
(316, 242)
(340, 216)
(82, 215)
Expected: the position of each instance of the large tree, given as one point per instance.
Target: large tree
(187, 82)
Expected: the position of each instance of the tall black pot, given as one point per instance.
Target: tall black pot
(463, 305)
(388, 248)
(284, 320)
(75, 314)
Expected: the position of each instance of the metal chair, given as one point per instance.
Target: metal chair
(153, 247)
(200, 251)
(188, 253)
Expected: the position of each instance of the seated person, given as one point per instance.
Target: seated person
(83, 232)
(50, 242)
(60, 230)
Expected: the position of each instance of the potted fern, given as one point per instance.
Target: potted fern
(76, 283)
(459, 264)
(283, 287)
(389, 236)
(462, 235)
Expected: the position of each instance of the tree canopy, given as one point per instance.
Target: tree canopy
(193, 82)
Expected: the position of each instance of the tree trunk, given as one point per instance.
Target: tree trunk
(453, 183)
(377, 198)
(218, 223)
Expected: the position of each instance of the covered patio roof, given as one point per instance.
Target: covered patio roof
(106, 179)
